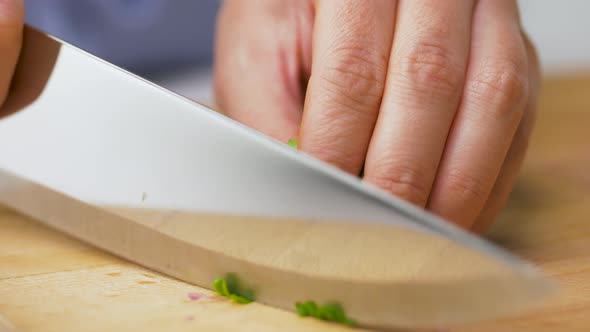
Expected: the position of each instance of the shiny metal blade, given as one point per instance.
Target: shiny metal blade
(382, 275)
(150, 176)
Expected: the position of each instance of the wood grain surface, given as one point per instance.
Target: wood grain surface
(50, 282)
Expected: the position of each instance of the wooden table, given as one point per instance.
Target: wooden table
(49, 282)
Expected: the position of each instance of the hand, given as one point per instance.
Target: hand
(435, 98)
(12, 14)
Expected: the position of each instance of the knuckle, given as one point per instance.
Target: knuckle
(502, 84)
(355, 74)
(430, 67)
(404, 182)
(466, 188)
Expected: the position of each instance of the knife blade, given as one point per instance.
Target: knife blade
(109, 158)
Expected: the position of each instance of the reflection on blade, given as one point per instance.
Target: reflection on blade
(383, 275)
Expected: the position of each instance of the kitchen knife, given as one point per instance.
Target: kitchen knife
(134, 169)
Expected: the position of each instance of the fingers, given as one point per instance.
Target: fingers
(423, 90)
(509, 172)
(494, 98)
(351, 49)
(11, 27)
(260, 54)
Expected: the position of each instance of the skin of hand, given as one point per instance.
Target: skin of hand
(12, 15)
(436, 99)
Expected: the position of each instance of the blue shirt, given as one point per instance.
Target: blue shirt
(140, 35)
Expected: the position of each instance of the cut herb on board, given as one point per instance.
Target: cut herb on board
(329, 312)
(231, 287)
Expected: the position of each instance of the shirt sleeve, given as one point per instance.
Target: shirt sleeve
(140, 35)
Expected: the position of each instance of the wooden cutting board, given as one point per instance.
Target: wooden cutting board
(49, 282)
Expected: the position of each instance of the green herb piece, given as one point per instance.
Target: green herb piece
(330, 312)
(230, 287)
(312, 308)
(239, 299)
(293, 143)
(301, 309)
(350, 322)
(233, 284)
(235, 287)
(220, 286)
(333, 312)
